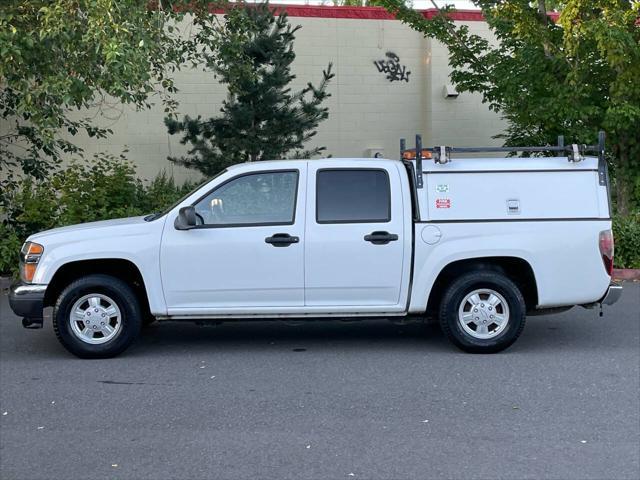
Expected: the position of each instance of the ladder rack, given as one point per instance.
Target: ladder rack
(442, 154)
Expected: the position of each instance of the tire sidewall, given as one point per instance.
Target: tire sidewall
(115, 289)
(482, 280)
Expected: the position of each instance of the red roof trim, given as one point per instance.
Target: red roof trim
(369, 13)
(362, 13)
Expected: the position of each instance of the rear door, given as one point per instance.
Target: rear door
(355, 245)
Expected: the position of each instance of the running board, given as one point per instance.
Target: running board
(276, 316)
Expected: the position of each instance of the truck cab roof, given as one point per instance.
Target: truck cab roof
(290, 162)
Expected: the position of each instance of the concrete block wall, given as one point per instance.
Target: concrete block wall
(465, 120)
(366, 111)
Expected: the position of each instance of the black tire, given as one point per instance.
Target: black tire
(115, 289)
(466, 284)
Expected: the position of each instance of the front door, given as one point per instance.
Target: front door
(247, 253)
(355, 235)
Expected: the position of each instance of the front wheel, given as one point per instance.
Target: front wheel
(482, 312)
(97, 316)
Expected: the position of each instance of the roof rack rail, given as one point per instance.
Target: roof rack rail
(442, 154)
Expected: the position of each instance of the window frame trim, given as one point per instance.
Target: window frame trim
(353, 169)
(255, 224)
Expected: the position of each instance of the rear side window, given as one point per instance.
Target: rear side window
(352, 196)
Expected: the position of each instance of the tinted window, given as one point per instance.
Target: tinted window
(352, 196)
(258, 198)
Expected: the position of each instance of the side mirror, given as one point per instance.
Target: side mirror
(186, 218)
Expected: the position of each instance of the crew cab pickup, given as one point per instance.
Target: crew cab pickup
(477, 243)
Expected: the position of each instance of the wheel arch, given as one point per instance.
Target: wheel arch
(120, 268)
(517, 269)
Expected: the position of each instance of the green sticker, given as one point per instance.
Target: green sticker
(442, 188)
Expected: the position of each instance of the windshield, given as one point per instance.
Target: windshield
(157, 215)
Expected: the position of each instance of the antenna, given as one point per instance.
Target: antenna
(419, 161)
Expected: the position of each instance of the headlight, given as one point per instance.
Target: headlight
(29, 257)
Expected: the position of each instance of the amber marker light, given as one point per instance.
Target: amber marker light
(34, 249)
(30, 255)
(411, 154)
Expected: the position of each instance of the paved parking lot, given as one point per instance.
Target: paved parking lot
(327, 400)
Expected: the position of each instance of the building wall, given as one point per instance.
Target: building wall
(366, 110)
(465, 120)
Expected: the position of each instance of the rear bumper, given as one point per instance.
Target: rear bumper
(613, 294)
(27, 300)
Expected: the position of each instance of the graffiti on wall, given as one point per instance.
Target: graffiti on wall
(392, 68)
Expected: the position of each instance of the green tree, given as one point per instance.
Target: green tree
(61, 57)
(251, 52)
(571, 77)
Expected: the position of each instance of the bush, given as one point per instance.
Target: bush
(626, 232)
(162, 192)
(103, 189)
(10, 244)
(31, 206)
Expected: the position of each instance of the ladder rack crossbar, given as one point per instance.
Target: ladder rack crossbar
(550, 148)
(442, 154)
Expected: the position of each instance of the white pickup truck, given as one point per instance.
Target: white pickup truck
(478, 243)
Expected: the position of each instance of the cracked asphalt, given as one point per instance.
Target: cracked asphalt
(327, 400)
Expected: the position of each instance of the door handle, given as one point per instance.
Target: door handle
(281, 240)
(381, 238)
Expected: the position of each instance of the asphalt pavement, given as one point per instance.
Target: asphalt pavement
(327, 400)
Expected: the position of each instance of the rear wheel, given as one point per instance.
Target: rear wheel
(97, 316)
(482, 312)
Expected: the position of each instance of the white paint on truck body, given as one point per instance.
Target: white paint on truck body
(545, 211)
(544, 188)
(561, 211)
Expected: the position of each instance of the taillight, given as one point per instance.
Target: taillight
(606, 250)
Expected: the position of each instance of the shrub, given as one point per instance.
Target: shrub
(102, 189)
(162, 191)
(626, 232)
(32, 206)
(106, 188)
(10, 244)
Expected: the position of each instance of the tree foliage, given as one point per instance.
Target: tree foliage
(59, 58)
(102, 188)
(262, 118)
(571, 77)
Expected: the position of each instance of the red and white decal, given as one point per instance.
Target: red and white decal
(443, 203)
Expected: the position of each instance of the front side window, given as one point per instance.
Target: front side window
(261, 198)
(353, 196)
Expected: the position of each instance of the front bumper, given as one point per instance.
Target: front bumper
(27, 300)
(613, 294)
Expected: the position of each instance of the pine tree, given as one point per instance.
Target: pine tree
(261, 119)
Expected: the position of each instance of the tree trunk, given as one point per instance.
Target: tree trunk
(622, 198)
(542, 11)
(624, 180)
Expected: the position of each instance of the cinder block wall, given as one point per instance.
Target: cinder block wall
(366, 110)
